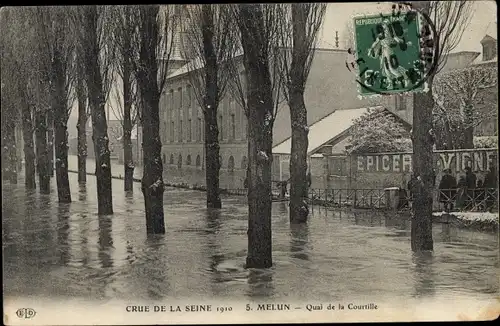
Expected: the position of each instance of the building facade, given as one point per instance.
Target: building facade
(330, 87)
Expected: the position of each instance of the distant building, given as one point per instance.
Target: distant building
(330, 87)
(404, 104)
(489, 126)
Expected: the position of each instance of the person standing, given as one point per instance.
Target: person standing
(462, 192)
(491, 186)
(470, 180)
(447, 190)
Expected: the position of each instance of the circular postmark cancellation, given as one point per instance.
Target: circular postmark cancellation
(395, 52)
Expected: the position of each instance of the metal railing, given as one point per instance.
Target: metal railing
(471, 200)
(357, 198)
(475, 200)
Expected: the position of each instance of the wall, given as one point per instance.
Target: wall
(233, 165)
(376, 171)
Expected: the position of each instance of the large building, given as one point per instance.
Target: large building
(330, 87)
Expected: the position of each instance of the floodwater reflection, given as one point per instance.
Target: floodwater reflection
(424, 274)
(299, 234)
(105, 241)
(68, 250)
(63, 230)
(260, 284)
(155, 276)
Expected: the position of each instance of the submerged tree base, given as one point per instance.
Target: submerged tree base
(258, 262)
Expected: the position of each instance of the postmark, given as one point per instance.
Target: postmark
(394, 53)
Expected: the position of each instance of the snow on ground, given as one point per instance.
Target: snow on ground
(472, 216)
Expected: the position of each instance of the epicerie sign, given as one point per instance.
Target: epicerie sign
(479, 161)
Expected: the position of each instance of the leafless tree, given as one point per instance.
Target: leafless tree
(57, 53)
(83, 117)
(156, 28)
(211, 42)
(14, 67)
(463, 99)
(124, 95)
(258, 26)
(450, 19)
(298, 36)
(93, 29)
(38, 91)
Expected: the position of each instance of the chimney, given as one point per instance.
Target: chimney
(489, 45)
(336, 39)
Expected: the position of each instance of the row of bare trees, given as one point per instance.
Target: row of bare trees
(72, 55)
(276, 45)
(53, 57)
(45, 69)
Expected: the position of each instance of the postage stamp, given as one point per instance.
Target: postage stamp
(392, 53)
(218, 164)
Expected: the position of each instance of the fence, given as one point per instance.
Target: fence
(471, 200)
(475, 200)
(357, 198)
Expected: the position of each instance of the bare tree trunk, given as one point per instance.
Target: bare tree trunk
(299, 209)
(82, 131)
(29, 148)
(128, 160)
(212, 146)
(97, 108)
(50, 141)
(9, 155)
(42, 159)
(152, 180)
(9, 150)
(150, 91)
(421, 224)
(301, 49)
(60, 125)
(260, 113)
(127, 154)
(212, 149)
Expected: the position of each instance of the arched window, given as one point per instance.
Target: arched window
(171, 159)
(220, 161)
(188, 160)
(244, 163)
(230, 164)
(179, 161)
(198, 160)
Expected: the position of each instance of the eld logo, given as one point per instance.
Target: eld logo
(26, 313)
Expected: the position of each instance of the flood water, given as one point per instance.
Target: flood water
(54, 250)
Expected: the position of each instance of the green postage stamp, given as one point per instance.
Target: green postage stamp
(388, 54)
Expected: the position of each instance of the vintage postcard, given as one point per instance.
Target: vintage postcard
(250, 163)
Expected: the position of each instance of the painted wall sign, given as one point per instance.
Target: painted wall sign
(457, 161)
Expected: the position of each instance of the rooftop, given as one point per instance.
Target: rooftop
(324, 130)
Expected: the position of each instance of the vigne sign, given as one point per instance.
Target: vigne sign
(479, 160)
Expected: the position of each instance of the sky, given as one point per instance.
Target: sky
(339, 15)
